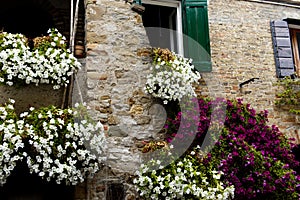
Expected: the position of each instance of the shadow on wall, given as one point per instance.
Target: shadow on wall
(115, 191)
(21, 185)
(24, 17)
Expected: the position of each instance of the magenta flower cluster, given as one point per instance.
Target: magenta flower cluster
(255, 157)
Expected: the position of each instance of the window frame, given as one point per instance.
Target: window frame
(192, 12)
(179, 25)
(294, 29)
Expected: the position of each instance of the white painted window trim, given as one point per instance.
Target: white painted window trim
(294, 26)
(177, 5)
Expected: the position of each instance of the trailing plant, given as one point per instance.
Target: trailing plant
(49, 62)
(184, 178)
(172, 76)
(289, 95)
(194, 120)
(11, 143)
(57, 144)
(254, 173)
(256, 158)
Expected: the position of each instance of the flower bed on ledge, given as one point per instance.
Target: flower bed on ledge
(47, 61)
(60, 145)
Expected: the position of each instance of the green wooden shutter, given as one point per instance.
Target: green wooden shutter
(196, 28)
(282, 49)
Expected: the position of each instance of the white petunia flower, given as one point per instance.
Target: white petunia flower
(172, 80)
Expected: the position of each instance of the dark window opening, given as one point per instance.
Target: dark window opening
(21, 185)
(161, 26)
(294, 30)
(24, 18)
(115, 191)
(33, 18)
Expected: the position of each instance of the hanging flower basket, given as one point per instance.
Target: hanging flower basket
(60, 145)
(172, 76)
(47, 62)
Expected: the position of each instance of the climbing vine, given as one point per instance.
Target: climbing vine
(289, 95)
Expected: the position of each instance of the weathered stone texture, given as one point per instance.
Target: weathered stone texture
(242, 49)
(115, 77)
(116, 67)
(32, 96)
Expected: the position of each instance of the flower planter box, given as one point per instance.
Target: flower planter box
(31, 96)
(22, 66)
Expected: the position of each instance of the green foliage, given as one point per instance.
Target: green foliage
(254, 157)
(184, 178)
(62, 145)
(290, 95)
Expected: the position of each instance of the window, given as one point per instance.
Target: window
(181, 26)
(163, 23)
(34, 21)
(286, 44)
(33, 18)
(295, 38)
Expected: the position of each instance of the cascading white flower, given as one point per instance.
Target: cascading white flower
(11, 143)
(185, 178)
(55, 143)
(48, 63)
(65, 151)
(172, 77)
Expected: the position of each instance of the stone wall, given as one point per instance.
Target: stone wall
(30, 96)
(115, 71)
(242, 49)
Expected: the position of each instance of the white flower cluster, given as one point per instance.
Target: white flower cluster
(173, 79)
(183, 179)
(58, 149)
(77, 147)
(10, 141)
(51, 65)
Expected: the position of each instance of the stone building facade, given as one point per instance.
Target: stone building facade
(115, 71)
(116, 64)
(241, 49)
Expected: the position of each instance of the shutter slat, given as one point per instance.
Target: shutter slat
(284, 52)
(280, 23)
(283, 41)
(286, 72)
(282, 49)
(281, 32)
(285, 62)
